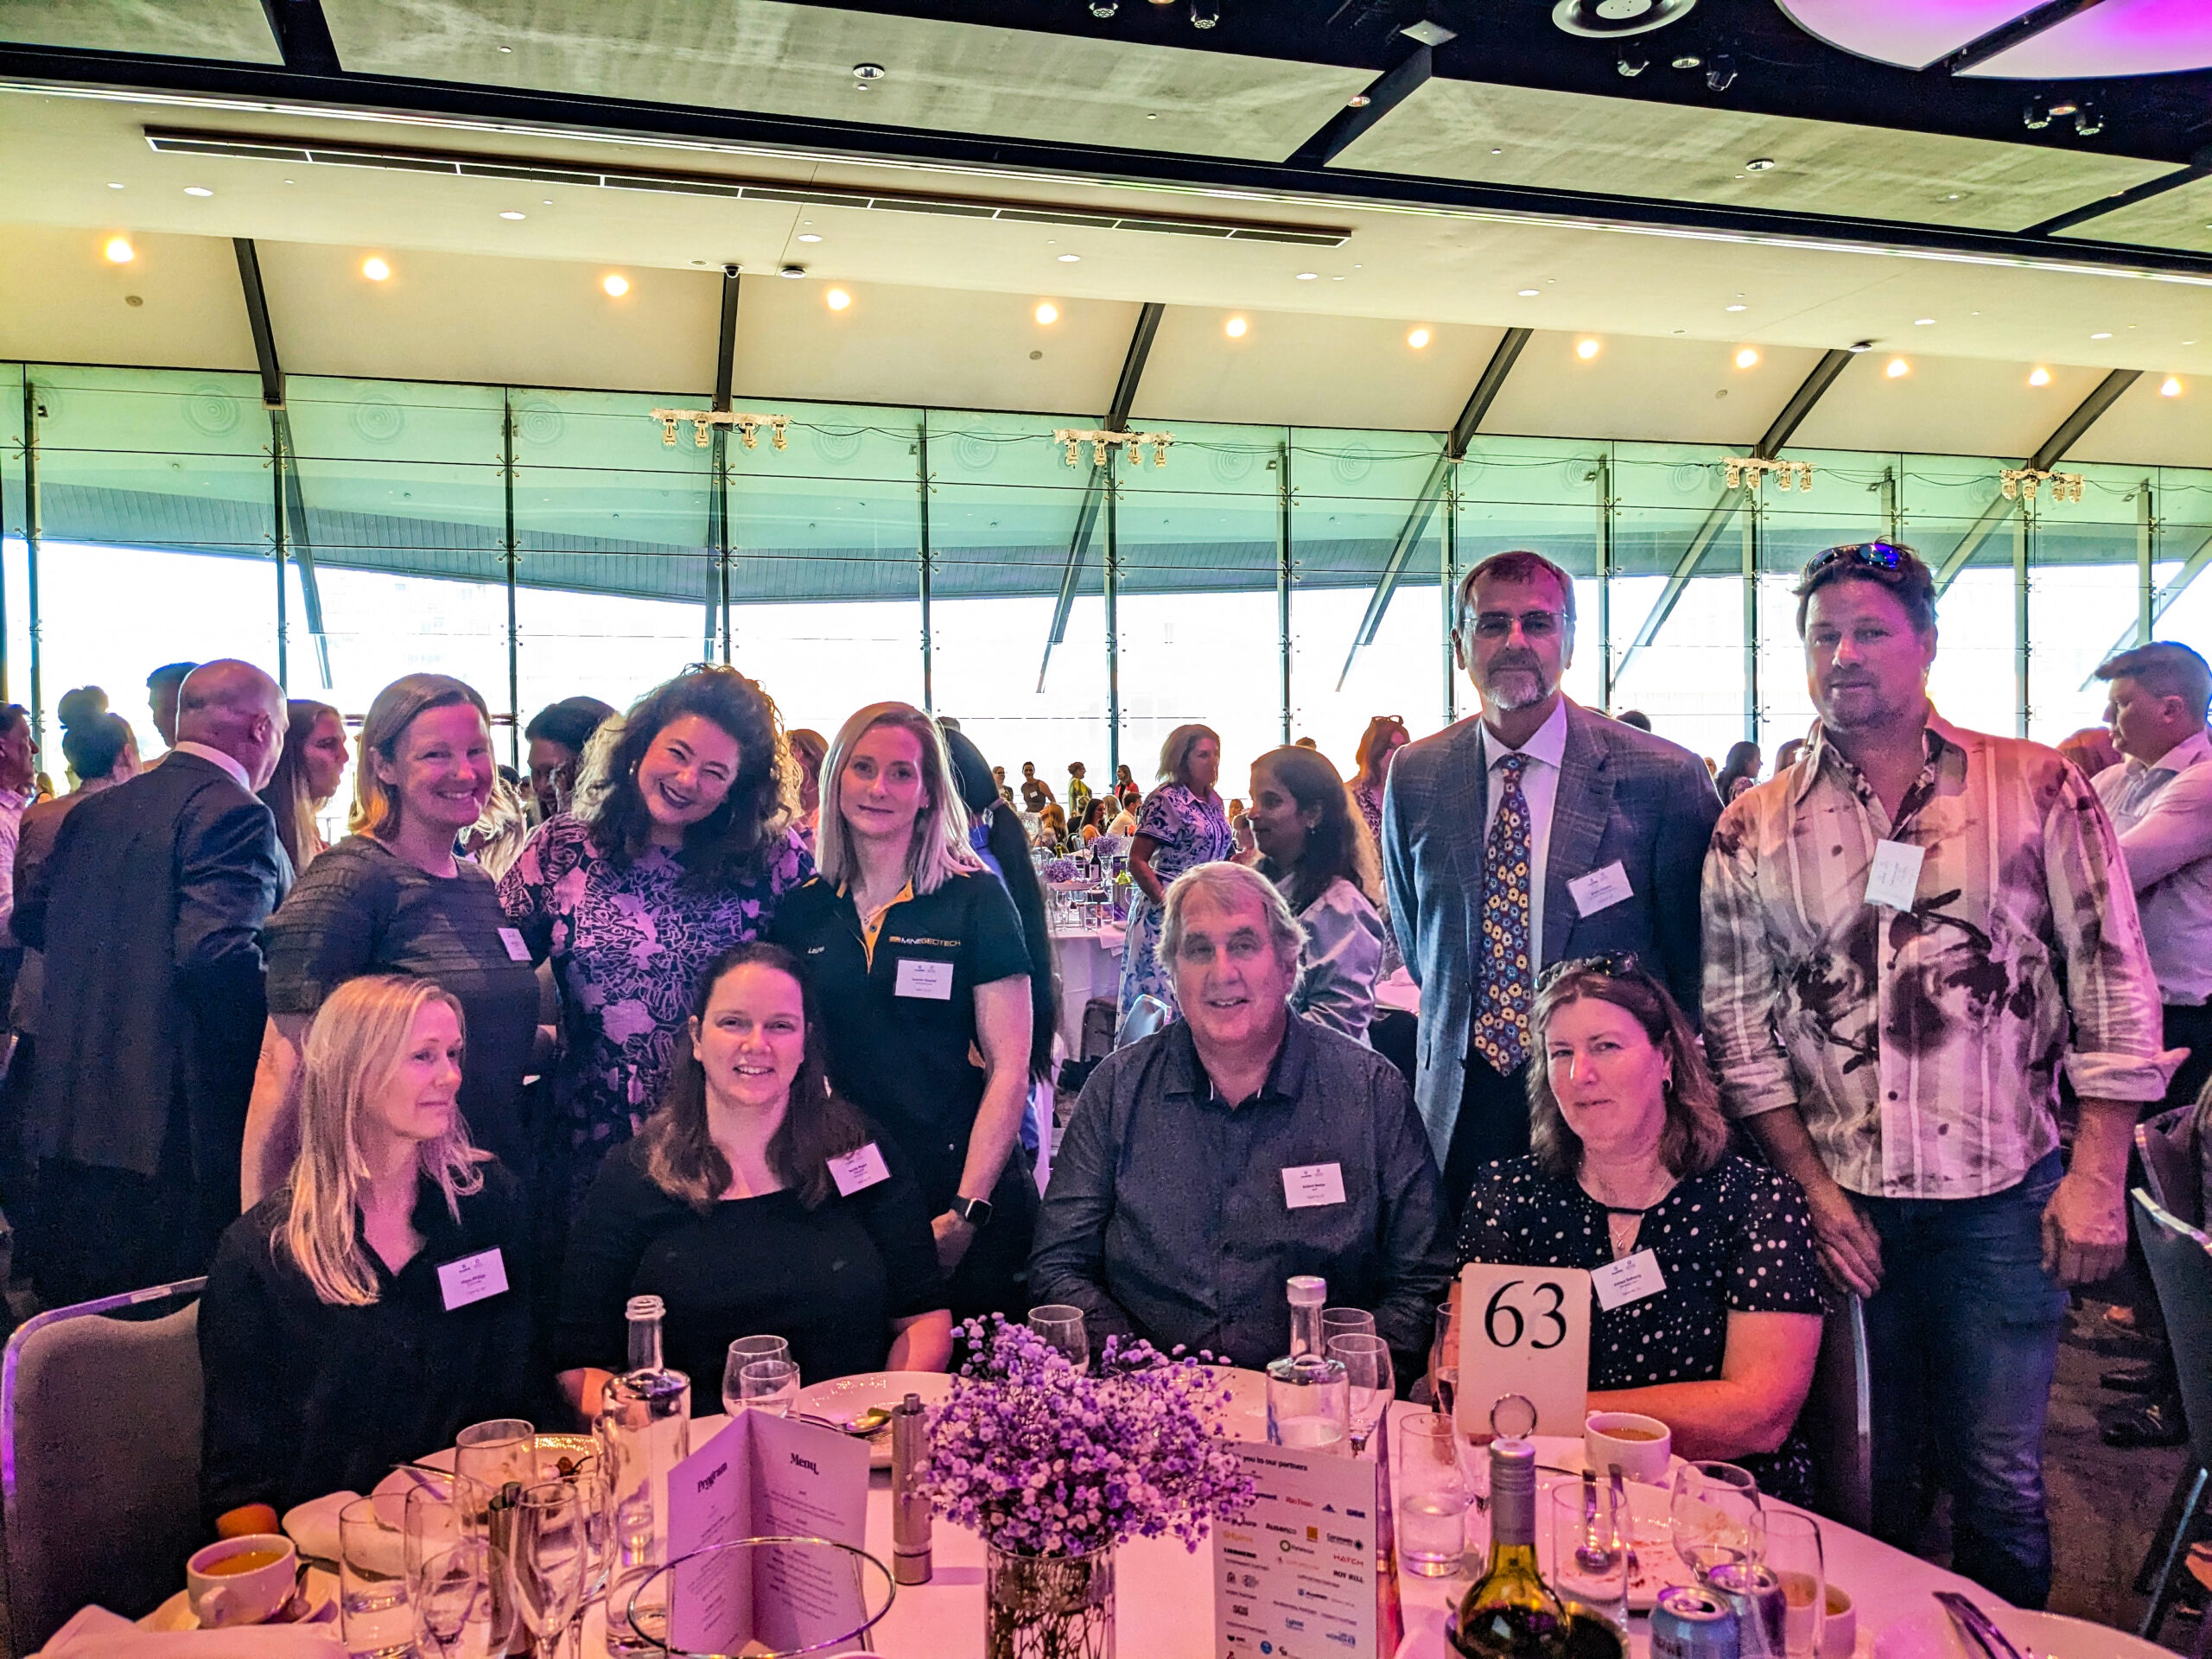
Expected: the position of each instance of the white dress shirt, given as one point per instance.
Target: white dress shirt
(2164, 814)
(216, 758)
(1543, 752)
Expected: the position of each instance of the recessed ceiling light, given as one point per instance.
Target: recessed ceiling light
(1151, 114)
(1358, 101)
(2107, 334)
(1858, 346)
(836, 299)
(1047, 313)
(511, 214)
(867, 72)
(1497, 152)
(1923, 322)
(2171, 387)
(2039, 377)
(1586, 349)
(507, 48)
(1070, 258)
(1234, 328)
(809, 236)
(119, 251)
(615, 284)
(1530, 293)
(112, 185)
(792, 271)
(1738, 306)
(1309, 275)
(1898, 368)
(1746, 359)
(375, 270)
(1417, 339)
(546, 202)
(1759, 164)
(197, 190)
(1688, 60)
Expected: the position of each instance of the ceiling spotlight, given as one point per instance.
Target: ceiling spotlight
(1759, 164)
(2170, 387)
(1308, 275)
(836, 299)
(1417, 339)
(2089, 122)
(1104, 8)
(119, 251)
(375, 270)
(511, 214)
(1070, 258)
(2039, 377)
(2062, 107)
(2107, 334)
(809, 236)
(1234, 328)
(197, 190)
(1530, 293)
(1358, 101)
(114, 185)
(1923, 322)
(1630, 63)
(1738, 306)
(868, 72)
(1428, 31)
(1721, 73)
(1858, 346)
(1898, 368)
(1747, 359)
(1204, 14)
(1608, 19)
(792, 271)
(1047, 312)
(615, 284)
(2037, 116)
(1688, 60)
(1586, 349)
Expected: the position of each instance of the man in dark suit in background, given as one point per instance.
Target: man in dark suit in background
(1536, 833)
(149, 912)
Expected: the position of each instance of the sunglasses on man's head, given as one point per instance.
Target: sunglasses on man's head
(1876, 558)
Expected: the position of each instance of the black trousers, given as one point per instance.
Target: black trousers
(1492, 1124)
(101, 1232)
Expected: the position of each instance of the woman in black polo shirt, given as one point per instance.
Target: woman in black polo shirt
(915, 954)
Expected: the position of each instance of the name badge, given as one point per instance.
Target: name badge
(1600, 889)
(1628, 1279)
(518, 948)
(472, 1278)
(1307, 1187)
(919, 978)
(863, 1166)
(1894, 876)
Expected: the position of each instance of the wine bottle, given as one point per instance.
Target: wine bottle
(1510, 1612)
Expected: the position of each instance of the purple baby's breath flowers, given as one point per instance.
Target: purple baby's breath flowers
(1041, 1460)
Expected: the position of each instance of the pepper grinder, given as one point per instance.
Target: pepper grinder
(910, 1505)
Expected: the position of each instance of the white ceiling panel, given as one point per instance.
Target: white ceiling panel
(62, 301)
(232, 30)
(1638, 387)
(1943, 406)
(798, 59)
(2147, 428)
(2179, 218)
(1572, 141)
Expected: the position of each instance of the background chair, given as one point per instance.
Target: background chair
(99, 1458)
(2167, 1144)
(1147, 1015)
(1838, 1419)
(2181, 1267)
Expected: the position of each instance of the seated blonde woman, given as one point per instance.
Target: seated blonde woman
(1630, 1154)
(377, 1303)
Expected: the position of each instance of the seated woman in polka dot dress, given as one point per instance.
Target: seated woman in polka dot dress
(1630, 1154)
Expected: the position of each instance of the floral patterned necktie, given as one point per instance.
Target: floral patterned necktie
(1503, 995)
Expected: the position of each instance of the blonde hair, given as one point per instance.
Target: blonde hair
(1175, 752)
(356, 1043)
(938, 849)
(376, 804)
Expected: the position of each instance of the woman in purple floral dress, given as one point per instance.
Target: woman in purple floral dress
(679, 849)
(1182, 824)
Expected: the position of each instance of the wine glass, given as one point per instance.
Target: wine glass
(1061, 1326)
(1444, 1359)
(550, 1547)
(1715, 1516)
(1344, 1322)
(1367, 1368)
(1794, 1556)
(770, 1385)
(446, 1559)
(743, 1352)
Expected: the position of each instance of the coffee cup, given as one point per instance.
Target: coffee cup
(1839, 1634)
(241, 1581)
(1642, 1445)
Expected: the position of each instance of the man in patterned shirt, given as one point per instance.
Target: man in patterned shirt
(1907, 934)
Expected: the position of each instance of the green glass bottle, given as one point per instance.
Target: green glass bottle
(1510, 1612)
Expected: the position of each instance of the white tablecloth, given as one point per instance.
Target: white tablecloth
(1091, 965)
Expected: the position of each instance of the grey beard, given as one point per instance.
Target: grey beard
(1505, 702)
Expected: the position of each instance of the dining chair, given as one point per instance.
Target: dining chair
(99, 1457)
(2167, 1146)
(1838, 1418)
(1147, 1014)
(2180, 1258)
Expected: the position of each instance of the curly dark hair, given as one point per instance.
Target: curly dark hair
(734, 843)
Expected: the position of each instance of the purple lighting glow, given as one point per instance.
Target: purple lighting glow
(1913, 33)
(2120, 37)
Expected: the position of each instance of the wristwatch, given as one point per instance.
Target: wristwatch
(977, 1212)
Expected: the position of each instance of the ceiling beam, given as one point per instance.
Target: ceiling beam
(302, 36)
(1116, 419)
(256, 317)
(1809, 392)
(1491, 382)
(2199, 166)
(726, 346)
(1382, 95)
(2006, 37)
(2054, 448)
(2162, 601)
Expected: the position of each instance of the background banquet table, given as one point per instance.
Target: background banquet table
(1091, 965)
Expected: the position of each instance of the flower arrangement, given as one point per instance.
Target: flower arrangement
(1041, 1460)
(1061, 871)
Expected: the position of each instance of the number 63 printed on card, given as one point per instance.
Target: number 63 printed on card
(1524, 1331)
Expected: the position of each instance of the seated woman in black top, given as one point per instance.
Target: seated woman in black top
(737, 1204)
(1630, 1154)
(377, 1304)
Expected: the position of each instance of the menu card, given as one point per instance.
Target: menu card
(1298, 1577)
(765, 1477)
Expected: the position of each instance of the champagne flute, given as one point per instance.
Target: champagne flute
(547, 1559)
(1374, 1382)
(743, 1352)
(1715, 1516)
(770, 1385)
(1061, 1326)
(1443, 1358)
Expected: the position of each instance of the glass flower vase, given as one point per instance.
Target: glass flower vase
(1048, 1606)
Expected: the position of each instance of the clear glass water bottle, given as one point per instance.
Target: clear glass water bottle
(644, 1431)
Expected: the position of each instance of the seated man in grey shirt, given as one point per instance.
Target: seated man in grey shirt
(1210, 1162)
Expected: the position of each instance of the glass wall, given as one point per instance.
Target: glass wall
(1272, 582)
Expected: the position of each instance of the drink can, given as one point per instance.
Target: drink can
(1754, 1594)
(1688, 1622)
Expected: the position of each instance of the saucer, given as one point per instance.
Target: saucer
(315, 1602)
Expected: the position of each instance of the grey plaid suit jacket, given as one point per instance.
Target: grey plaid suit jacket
(1623, 794)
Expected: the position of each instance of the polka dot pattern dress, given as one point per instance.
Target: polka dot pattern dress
(1737, 1238)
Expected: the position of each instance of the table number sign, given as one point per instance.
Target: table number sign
(1297, 1577)
(1524, 1331)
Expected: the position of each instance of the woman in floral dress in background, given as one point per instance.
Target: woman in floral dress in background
(1182, 824)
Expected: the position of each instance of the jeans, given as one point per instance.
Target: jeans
(1962, 1338)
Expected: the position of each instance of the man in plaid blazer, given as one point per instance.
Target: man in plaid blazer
(1535, 833)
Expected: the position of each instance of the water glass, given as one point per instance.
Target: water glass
(547, 1560)
(1715, 1516)
(450, 1591)
(1061, 1326)
(492, 1454)
(1431, 1495)
(373, 1614)
(1344, 1322)
(1309, 1403)
(1593, 1540)
(743, 1352)
(1372, 1380)
(770, 1385)
(1794, 1555)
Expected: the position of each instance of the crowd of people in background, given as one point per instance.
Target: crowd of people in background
(764, 1024)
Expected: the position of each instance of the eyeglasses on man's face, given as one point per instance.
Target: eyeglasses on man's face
(1534, 625)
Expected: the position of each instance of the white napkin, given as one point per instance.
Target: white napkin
(313, 1525)
(95, 1633)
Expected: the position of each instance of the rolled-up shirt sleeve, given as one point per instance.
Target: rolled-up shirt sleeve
(2116, 1051)
(1743, 980)
(1067, 1258)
